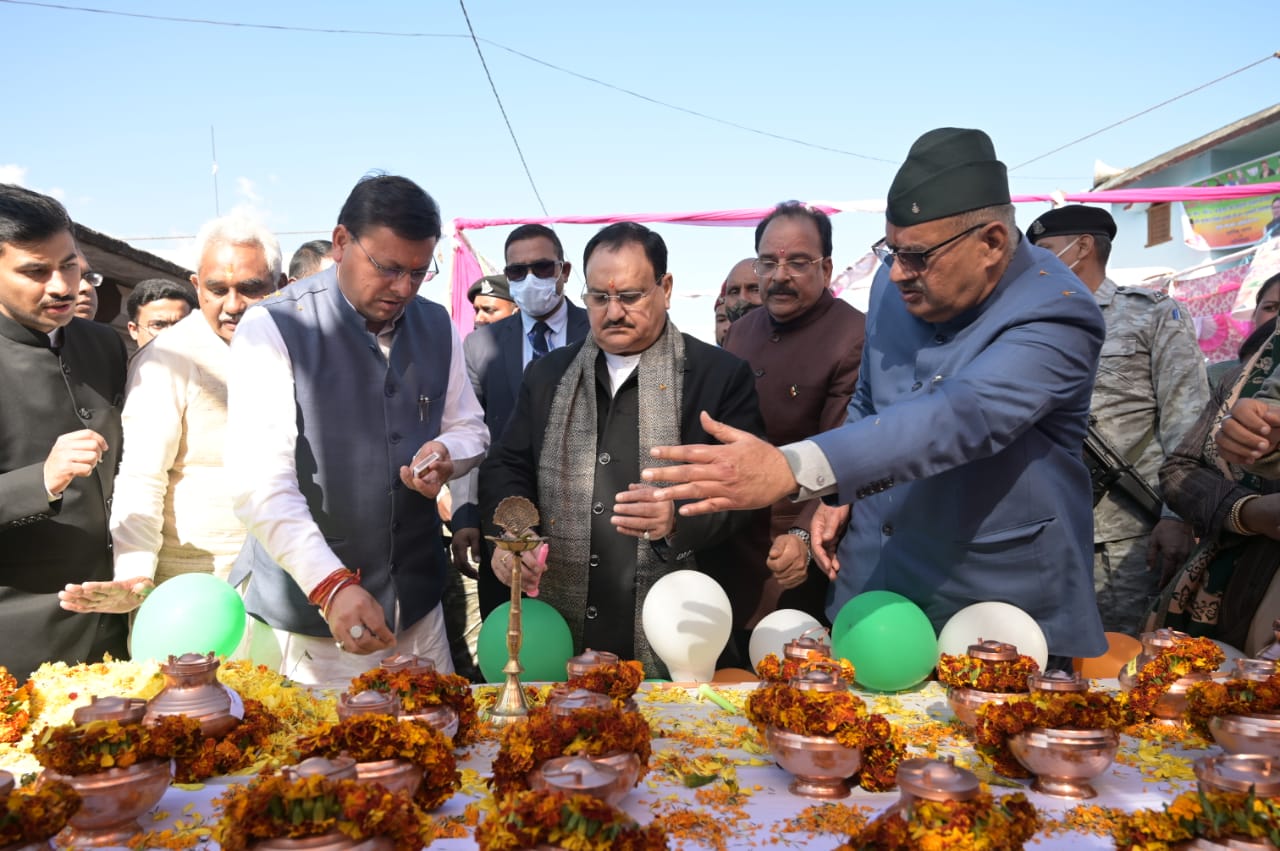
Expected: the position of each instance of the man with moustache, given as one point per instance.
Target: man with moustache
(348, 409)
(741, 290)
(588, 413)
(172, 509)
(63, 380)
(497, 356)
(959, 474)
(804, 349)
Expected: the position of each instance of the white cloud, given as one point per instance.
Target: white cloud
(11, 173)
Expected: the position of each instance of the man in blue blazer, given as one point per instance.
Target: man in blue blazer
(959, 471)
(497, 355)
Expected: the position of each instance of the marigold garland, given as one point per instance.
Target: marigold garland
(580, 822)
(619, 681)
(965, 671)
(544, 735)
(1186, 656)
(775, 670)
(1212, 699)
(1200, 815)
(998, 722)
(276, 807)
(15, 707)
(370, 738)
(429, 688)
(985, 823)
(240, 747)
(841, 715)
(75, 749)
(35, 814)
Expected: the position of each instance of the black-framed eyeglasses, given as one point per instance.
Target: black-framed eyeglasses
(391, 274)
(540, 268)
(93, 279)
(627, 298)
(796, 266)
(916, 262)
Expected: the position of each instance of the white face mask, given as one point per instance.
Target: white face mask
(535, 296)
(1065, 248)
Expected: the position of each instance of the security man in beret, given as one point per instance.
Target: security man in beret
(491, 298)
(958, 473)
(1151, 388)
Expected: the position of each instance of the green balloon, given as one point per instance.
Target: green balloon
(191, 613)
(889, 640)
(547, 645)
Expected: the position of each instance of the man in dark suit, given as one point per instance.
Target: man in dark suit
(63, 383)
(497, 356)
(587, 414)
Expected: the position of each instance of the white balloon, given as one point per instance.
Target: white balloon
(776, 629)
(993, 621)
(687, 620)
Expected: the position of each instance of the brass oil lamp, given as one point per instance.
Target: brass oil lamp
(516, 516)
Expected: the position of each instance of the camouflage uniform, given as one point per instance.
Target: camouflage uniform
(1151, 388)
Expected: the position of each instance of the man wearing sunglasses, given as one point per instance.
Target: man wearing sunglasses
(497, 356)
(348, 407)
(588, 413)
(959, 474)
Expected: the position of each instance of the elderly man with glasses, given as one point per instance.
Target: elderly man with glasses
(348, 408)
(959, 476)
(588, 413)
(804, 349)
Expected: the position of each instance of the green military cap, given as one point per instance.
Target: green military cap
(1072, 220)
(494, 285)
(948, 171)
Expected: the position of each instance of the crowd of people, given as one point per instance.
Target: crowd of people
(1005, 423)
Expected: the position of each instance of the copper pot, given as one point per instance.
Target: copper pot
(582, 776)
(399, 776)
(965, 702)
(1064, 761)
(441, 716)
(125, 710)
(626, 763)
(331, 841)
(564, 701)
(6, 788)
(367, 703)
(1257, 670)
(407, 662)
(1247, 734)
(934, 780)
(801, 647)
(111, 802)
(341, 767)
(1239, 773)
(1152, 644)
(1058, 682)
(821, 765)
(1172, 705)
(191, 688)
(588, 661)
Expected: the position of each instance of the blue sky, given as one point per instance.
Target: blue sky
(113, 113)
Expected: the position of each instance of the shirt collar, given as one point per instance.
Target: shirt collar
(557, 321)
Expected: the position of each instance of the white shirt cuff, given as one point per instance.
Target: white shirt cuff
(813, 473)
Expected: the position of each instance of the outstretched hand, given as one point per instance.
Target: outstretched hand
(115, 597)
(742, 472)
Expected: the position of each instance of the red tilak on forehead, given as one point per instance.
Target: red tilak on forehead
(612, 285)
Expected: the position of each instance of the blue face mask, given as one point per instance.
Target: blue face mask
(535, 296)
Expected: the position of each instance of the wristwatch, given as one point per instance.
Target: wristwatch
(804, 536)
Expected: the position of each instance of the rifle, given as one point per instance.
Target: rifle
(1111, 471)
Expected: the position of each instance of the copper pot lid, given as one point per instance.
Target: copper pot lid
(993, 651)
(438, 715)
(566, 701)
(937, 780)
(1239, 772)
(588, 661)
(1258, 670)
(1058, 681)
(341, 767)
(126, 710)
(6, 784)
(801, 646)
(367, 703)
(190, 663)
(578, 774)
(819, 680)
(407, 662)
(1162, 638)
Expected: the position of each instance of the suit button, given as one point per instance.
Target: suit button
(887, 529)
(759, 373)
(604, 458)
(594, 561)
(940, 339)
(916, 386)
(395, 437)
(598, 508)
(592, 613)
(773, 338)
(85, 413)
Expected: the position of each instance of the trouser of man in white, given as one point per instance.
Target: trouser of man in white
(318, 661)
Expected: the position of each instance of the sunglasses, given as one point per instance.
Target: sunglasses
(539, 268)
(915, 262)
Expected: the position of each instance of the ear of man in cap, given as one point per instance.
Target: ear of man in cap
(948, 171)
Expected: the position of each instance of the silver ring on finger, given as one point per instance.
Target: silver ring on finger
(646, 535)
(357, 631)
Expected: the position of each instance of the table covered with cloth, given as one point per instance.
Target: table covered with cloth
(744, 801)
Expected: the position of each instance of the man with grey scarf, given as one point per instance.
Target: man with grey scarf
(585, 421)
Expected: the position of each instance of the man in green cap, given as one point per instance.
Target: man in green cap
(958, 476)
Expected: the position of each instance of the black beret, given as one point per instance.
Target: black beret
(494, 285)
(948, 171)
(1072, 220)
